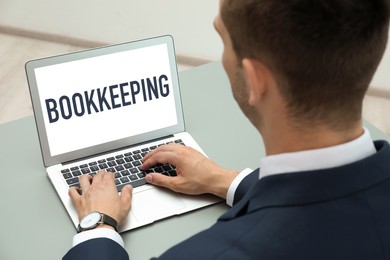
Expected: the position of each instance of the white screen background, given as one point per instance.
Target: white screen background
(99, 72)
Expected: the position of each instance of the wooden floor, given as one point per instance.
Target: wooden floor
(15, 102)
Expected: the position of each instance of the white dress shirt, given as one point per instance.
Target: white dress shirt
(308, 160)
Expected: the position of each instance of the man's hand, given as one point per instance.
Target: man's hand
(100, 194)
(195, 173)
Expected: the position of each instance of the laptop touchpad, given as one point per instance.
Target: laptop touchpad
(155, 203)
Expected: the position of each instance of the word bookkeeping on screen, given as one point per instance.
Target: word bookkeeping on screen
(107, 98)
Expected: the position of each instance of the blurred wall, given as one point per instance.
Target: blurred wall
(114, 21)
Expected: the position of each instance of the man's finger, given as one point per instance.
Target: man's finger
(108, 177)
(99, 176)
(161, 156)
(74, 195)
(159, 180)
(151, 158)
(126, 195)
(85, 181)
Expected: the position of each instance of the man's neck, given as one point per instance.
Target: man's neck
(284, 139)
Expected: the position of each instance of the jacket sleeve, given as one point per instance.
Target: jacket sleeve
(97, 249)
(245, 185)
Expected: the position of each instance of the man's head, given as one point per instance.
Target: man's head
(322, 53)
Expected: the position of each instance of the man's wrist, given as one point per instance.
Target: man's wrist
(101, 232)
(106, 226)
(102, 225)
(234, 184)
(223, 182)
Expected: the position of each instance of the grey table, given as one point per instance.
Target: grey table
(34, 224)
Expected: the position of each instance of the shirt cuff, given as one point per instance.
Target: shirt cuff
(97, 233)
(233, 187)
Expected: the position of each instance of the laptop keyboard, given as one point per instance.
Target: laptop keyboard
(126, 166)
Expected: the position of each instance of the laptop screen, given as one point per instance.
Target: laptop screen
(104, 98)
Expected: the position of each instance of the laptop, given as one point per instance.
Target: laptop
(104, 109)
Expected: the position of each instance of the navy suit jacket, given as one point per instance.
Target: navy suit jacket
(337, 213)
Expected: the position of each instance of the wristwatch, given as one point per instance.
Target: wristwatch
(94, 219)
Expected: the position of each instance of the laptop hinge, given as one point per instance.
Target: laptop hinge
(118, 149)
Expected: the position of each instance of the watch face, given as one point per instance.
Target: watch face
(90, 220)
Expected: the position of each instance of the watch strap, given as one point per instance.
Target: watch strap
(106, 219)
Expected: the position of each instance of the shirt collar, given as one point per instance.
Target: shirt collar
(316, 159)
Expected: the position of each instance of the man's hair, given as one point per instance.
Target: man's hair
(324, 53)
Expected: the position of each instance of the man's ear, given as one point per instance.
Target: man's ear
(256, 76)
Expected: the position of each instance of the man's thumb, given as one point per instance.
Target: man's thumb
(156, 179)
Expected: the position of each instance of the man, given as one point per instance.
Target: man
(299, 70)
